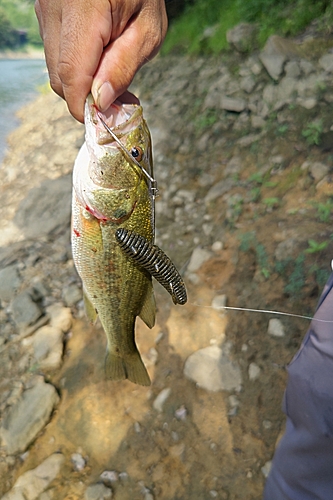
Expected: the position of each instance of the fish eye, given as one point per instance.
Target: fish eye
(137, 153)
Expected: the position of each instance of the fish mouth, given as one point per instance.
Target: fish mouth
(121, 117)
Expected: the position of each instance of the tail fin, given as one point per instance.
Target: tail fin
(131, 368)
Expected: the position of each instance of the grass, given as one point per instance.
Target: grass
(248, 241)
(315, 246)
(202, 27)
(312, 132)
(206, 119)
(296, 279)
(324, 210)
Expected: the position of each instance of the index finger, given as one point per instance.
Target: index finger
(85, 31)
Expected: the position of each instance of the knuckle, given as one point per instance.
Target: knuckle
(65, 70)
(56, 85)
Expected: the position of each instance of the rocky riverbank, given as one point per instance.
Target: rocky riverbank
(243, 159)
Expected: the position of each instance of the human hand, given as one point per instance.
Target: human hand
(98, 46)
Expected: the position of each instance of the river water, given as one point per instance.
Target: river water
(19, 81)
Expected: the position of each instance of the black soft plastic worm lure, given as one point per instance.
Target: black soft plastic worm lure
(151, 258)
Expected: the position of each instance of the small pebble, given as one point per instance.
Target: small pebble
(219, 302)
(78, 462)
(254, 371)
(217, 246)
(233, 401)
(267, 424)
(161, 399)
(175, 436)
(181, 413)
(275, 328)
(109, 476)
(159, 337)
(266, 468)
(123, 476)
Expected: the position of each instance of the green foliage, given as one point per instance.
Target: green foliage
(206, 119)
(202, 27)
(235, 208)
(281, 16)
(246, 241)
(296, 280)
(271, 202)
(255, 194)
(20, 15)
(262, 180)
(315, 246)
(324, 210)
(312, 132)
(262, 259)
(282, 129)
(249, 242)
(7, 35)
(321, 276)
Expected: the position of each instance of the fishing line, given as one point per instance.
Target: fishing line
(264, 311)
(129, 156)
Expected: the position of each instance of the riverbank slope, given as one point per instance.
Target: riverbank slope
(243, 160)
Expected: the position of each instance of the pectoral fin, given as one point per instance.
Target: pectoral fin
(148, 310)
(89, 307)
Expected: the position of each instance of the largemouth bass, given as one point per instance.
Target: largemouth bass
(114, 189)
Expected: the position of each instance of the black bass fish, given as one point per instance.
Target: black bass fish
(114, 189)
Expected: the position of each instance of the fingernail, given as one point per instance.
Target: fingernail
(104, 96)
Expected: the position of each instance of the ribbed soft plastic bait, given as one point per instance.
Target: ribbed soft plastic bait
(155, 261)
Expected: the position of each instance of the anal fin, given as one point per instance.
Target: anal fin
(148, 310)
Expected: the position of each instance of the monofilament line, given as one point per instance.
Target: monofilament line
(267, 311)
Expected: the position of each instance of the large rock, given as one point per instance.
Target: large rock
(276, 53)
(198, 257)
(233, 104)
(48, 347)
(212, 369)
(28, 417)
(97, 492)
(61, 317)
(46, 208)
(25, 310)
(319, 170)
(219, 189)
(9, 282)
(326, 62)
(242, 36)
(34, 482)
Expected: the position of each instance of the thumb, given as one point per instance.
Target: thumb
(122, 58)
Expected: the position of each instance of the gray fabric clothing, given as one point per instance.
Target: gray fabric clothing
(302, 467)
